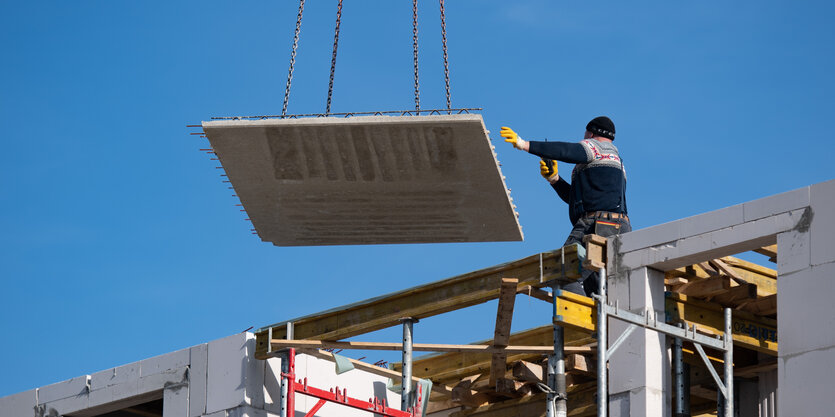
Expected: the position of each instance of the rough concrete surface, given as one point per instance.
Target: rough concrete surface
(367, 180)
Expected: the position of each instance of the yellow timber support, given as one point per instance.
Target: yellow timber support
(753, 332)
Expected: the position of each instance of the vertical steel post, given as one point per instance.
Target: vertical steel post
(406, 381)
(602, 344)
(729, 365)
(291, 382)
(556, 399)
(681, 382)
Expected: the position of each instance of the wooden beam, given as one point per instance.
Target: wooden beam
(705, 287)
(764, 306)
(501, 335)
(427, 300)
(580, 364)
(595, 252)
(528, 371)
(736, 295)
(421, 347)
(749, 331)
(770, 251)
(764, 278)
(452, 367)
(727, 270)
(376, 370)
(537, 293)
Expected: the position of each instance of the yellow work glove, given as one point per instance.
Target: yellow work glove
(512, 138)
(548, 170)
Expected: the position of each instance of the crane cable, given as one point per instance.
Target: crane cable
(333, 58)
(336, 45)
(446, 58)
(415, 45)
(293, 57)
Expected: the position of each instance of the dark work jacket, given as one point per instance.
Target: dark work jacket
(598, 181)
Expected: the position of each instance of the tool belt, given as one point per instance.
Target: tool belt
(605, 215)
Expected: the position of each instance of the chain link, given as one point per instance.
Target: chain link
(293, 57)
(446, 58)
(333, 58)
(415, 45)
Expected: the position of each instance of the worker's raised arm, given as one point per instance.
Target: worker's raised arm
(573, 153)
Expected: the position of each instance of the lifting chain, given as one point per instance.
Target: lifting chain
(293, 57)
(446, 59)
(415, 45)
(333, 58)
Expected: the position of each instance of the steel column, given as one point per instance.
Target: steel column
(602, 343)
(729, 366)
(556, 399)
(406, 380)
(681, 382)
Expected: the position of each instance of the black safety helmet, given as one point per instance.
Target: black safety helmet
(602, 126)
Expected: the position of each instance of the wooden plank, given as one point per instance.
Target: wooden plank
(595, 252)
(736, 295)
(750, 331)
(501, 335)
(580, 403)
(376, 370)
(580, 364)
(463, 393)
(764, 306)
(452, 367)
(705, 287)
(727, 270)
(427, 300)
(764, 278)
(528, 371)
(420, 347)
(529, 406)
(770, 251)
(537, 293)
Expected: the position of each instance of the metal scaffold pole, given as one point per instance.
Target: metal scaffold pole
(556, 398)
(729, 366)
(406, 381)
(602, 343)
(681, 381)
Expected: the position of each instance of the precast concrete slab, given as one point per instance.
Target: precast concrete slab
(367, 179)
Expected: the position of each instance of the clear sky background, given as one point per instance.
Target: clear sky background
(118, 240)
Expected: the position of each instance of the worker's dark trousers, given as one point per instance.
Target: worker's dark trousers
(588, 283)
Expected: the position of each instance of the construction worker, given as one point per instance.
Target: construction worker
(596, 196)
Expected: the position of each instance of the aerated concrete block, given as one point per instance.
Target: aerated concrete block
(793, 252)
(367, 180)
(806, 383)
(823, 222)
(197, 379)
(114, 376)
(776, 204)
(710, 221)
(64, 389)
(21, 404)
(157, 364)
(175, 401)
(806, 315)
(226, 373)
(650, 236)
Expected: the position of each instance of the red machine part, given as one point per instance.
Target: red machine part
(373, 405)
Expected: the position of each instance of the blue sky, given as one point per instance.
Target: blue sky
(120, 242)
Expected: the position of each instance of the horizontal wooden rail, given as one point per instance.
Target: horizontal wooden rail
(423, 347)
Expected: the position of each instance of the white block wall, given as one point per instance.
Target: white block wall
(218, 379)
